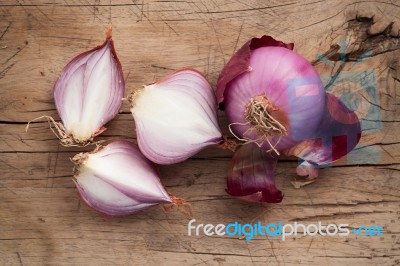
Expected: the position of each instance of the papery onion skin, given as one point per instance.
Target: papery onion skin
(268, 68)
(338, 133)
(118, 180)
(89, 91)
(308, 170)
(251, 176)
(176, 117)
(239, 63)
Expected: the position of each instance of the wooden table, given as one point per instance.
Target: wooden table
(42, 220)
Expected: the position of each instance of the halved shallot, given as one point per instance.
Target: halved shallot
(118, 180)
(88, 94)
(176, 117)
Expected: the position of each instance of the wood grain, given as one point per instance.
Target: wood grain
(42, 220)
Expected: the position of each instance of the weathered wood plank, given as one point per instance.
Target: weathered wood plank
(39, 138)
(51, 211)
(42, 220)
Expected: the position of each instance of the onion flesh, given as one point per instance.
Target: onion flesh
(89, 93)
(118, 180)
(176, 117)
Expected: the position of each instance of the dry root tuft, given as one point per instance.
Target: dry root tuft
(66, 139)
(262, 123)
(228, 144)
(182, 205)
(132, 97)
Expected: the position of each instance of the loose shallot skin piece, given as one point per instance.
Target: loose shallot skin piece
(89, 93)
(251, 175)
(118, 179)
(176, 117)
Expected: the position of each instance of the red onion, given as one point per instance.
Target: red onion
(176, 117)
(274, 98)
(271, 95)
(89, 93)
(118, 179)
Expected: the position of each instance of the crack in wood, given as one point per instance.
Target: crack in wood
(5, 70)
(379, 43)
(5, 31)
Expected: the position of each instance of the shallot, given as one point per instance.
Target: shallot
(274, 99)
(118, 180)
(88, 94)
(271, 95)
(176, 117)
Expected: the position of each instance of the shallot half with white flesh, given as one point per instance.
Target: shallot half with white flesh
(176, 117)
(118, 180)
(88, 94)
